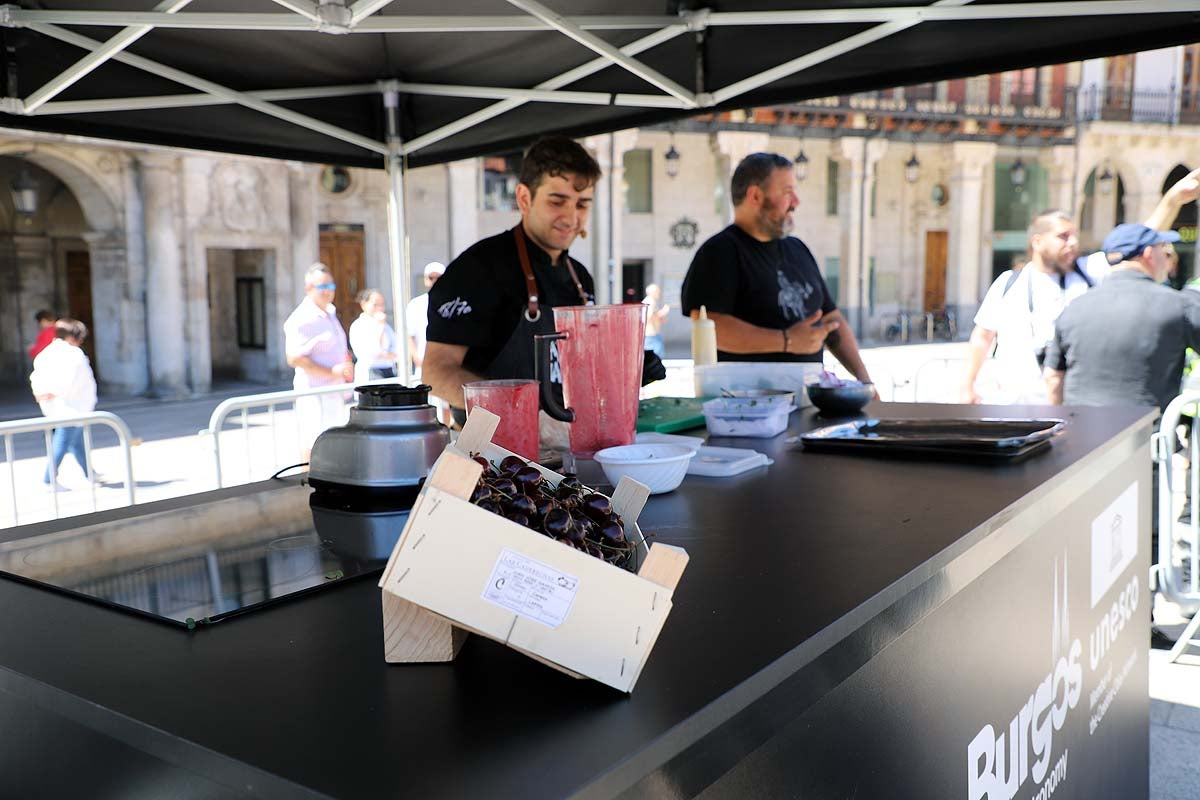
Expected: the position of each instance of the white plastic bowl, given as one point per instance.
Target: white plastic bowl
(659, 466)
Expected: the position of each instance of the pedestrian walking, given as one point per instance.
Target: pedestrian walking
(64, 386)
(372, 340)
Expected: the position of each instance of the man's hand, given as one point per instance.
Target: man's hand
(808, 335)
(342, 373)
(1186, 189)
(41, 398)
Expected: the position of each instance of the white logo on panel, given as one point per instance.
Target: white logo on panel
(1114, 541)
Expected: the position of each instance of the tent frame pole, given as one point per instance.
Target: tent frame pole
(397, 246)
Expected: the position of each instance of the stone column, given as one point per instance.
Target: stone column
(736, 145)
(34, 284)
(862, 155)
(164, 275)
(969, 271)
(462, 205)
(116, 312)
(135, 323)
(305, 230)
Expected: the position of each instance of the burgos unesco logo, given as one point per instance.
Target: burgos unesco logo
(999, 763)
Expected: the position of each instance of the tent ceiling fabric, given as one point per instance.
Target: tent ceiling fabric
(856, 46)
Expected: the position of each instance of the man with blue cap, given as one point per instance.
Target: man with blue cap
(1123, 342)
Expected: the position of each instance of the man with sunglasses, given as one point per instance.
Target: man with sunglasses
(315, 345)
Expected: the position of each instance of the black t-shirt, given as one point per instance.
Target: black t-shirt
(769, 284)
(479, 300)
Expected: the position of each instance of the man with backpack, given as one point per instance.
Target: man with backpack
(1017, 315)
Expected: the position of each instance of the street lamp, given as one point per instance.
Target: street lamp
(24, 192)
(801, 162)
(1016, 173)
(1105, 180)
(912, 168)
(672, 159)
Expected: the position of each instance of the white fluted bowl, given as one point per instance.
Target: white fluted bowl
(659, 466)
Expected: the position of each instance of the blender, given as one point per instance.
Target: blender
(600, 356)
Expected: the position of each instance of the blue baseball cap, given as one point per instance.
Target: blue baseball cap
(1131, 238)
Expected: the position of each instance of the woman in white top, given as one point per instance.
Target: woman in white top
(372, 340)
(64, 386)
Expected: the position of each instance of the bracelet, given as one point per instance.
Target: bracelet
(786, 340)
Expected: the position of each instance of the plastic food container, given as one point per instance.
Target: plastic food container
(791, 376)
(743, 398)
(660, 466)
(726, 419)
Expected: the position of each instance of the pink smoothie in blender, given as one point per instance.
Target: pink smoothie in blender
(516, 403)
(601, 357)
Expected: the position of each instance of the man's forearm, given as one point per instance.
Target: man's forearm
(1164, 214)
(447, 381)
(311, 367)
(738, 336)
(844, 347)
(977, 350)
(1054, 385)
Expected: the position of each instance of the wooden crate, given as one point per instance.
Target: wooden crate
(458, 568)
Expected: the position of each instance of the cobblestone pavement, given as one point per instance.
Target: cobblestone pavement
(171, 458)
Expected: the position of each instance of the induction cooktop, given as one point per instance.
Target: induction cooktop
(208, 561)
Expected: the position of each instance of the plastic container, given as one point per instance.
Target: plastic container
(659, 466)
(760, 422)
(516, 403)
(749, 398)
(730, 375)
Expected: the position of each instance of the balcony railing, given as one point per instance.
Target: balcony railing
(1097, 102)
(1121, 103)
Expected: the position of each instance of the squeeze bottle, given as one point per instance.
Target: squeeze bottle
(704, 343)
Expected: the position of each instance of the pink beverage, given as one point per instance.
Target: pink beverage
(516, 403)
(601, 362)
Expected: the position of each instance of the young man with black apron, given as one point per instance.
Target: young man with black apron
(498, 293)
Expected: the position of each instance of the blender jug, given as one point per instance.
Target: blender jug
(600, 356)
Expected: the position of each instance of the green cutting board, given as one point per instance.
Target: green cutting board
(670, 414)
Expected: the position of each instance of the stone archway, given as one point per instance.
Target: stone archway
(93, 178)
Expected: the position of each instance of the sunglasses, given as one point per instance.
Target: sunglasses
(325, 287)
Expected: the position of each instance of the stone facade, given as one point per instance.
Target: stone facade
(159, 247)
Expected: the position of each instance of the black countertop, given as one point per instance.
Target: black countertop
(788, 566)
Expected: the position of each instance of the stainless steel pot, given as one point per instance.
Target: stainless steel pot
(391, 441)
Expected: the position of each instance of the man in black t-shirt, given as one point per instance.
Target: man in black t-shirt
(761, 286)
(482, 312)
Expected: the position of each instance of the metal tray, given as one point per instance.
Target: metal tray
(991, 439)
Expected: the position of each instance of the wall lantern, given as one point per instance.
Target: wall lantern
(672, 159)
(912, 168)
(1016, 173)
(1105, 181)
(801, 162)
(24, 192)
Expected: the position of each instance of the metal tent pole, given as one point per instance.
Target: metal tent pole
(397, 252)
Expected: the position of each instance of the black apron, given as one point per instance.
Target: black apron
(515, 359)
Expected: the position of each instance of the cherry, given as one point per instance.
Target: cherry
(527, 479)
(613, 532)
(511, 464)
(504, 486)
(520, 519)
(557, 523)
(597, 506)
(571, 481)
(522, 505)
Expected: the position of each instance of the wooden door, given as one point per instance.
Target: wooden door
(936, 255)
(79, 298)
(342, 252)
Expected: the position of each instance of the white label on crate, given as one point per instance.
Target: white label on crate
(531, 588)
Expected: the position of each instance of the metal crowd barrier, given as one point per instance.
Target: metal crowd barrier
(946, 363)
(269, 401)
(1178, 582)
(86, 421)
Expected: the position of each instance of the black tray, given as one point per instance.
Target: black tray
(988, 439)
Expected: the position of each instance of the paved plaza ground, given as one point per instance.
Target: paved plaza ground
(171, 458)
